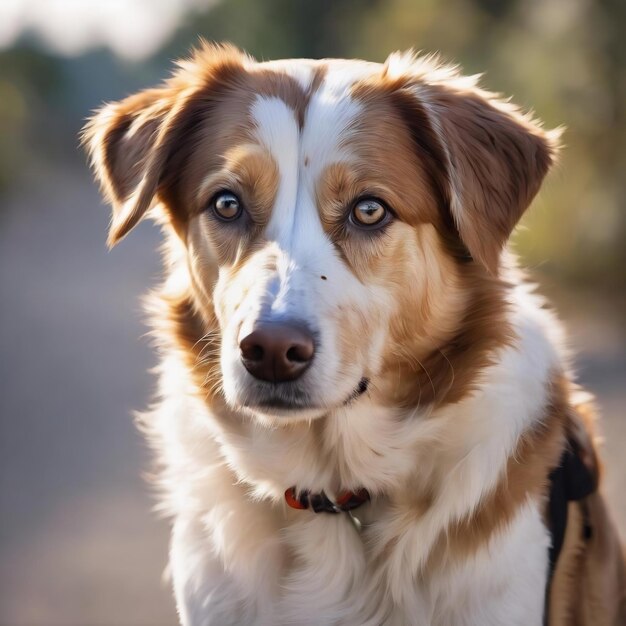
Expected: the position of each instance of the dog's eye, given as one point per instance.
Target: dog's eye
(368, 212)
(226, 206)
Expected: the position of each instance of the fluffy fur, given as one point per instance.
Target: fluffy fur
(469, 401)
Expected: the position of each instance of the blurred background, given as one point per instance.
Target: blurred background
(78, 542)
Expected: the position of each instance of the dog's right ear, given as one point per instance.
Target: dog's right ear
(123, 140)
(129, 142)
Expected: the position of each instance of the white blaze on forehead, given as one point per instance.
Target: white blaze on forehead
(303, 154)
(277, 129)
(328, 120)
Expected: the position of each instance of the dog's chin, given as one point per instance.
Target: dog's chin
(270, 406)
(272, 414)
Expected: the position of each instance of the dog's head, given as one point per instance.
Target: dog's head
(331, 212)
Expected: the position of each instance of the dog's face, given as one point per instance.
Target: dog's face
(331, 212)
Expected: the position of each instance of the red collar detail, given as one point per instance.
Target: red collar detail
(321, 503)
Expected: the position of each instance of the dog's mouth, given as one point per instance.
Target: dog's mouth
(287, 400)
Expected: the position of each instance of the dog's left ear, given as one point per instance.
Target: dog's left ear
(493, 157)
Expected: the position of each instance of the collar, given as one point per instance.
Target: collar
(321, 503)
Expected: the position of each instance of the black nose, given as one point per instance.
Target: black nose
(277, 352)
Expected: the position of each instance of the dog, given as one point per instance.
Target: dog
(365, 414)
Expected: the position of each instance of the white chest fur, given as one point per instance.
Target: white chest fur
(317, 572)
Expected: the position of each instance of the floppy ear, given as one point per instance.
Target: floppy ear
(494, 158)
(497, 160)
(129, 142)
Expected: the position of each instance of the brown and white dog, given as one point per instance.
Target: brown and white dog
(340, 326)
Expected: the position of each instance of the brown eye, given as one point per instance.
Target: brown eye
(226, 206)
(368, 212)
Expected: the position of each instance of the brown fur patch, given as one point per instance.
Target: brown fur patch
(178, 325)
(453, 368)
(382, 164)
(416, 155)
